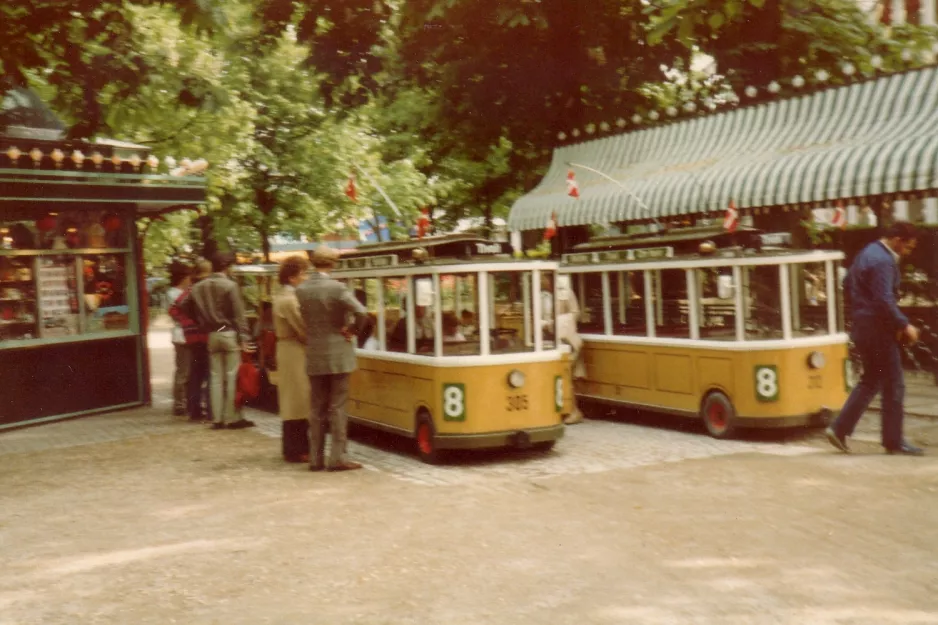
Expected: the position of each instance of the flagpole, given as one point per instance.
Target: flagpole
(380, 190)
(641, 204)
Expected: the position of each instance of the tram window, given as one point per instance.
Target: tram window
(717, 304)
(459, 304)
(395, 294)
(808, 283)
(511, 309)
(669, 303)
(627, 298)
(762, 303)
(589, 291)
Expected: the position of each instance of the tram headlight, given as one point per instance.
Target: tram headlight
(816, 360)
(516, 379)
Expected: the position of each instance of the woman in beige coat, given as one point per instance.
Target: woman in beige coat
(293, 384)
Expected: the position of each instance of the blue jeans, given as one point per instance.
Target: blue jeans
(882, 372)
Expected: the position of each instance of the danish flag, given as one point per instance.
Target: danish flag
(573, 189)
(350, 191)
(731, 220)
(551, 229)
(423, 222)
(839, 219)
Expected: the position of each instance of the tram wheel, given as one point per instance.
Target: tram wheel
(544, 446)
(426, 440)
(718, 415)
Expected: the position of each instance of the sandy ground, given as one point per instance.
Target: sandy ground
(625, 522)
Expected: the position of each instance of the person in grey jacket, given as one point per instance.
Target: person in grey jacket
(878, 328)
(334, 317)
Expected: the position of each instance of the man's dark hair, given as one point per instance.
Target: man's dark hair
(902, 230)
(222, 260)
(292, 266)
(179, 271)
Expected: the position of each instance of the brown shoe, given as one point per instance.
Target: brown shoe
(345, 466)
(316, 467)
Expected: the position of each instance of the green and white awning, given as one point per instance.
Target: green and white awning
(866, 139)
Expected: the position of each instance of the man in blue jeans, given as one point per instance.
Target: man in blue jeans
(878, 328)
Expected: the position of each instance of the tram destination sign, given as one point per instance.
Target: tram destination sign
(618, 256)
(374, 262)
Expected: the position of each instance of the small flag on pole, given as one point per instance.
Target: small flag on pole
(573, 189)
(731, 219)
(423, 222)
(350, 191)
(551, 229)
(839, 219)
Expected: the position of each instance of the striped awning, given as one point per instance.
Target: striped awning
(866, 139)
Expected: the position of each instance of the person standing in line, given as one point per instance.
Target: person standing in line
(878, 327)
(197, 343)
(180, 279)
(328, 308)
(216, 304)
(293, 390)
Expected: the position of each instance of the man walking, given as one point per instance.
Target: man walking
(878, 327)
(333, 318)
(197, 342)
(215, 303)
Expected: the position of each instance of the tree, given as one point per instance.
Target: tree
(86, 50)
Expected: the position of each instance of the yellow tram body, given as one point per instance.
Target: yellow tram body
(475, 406)
(737, 337)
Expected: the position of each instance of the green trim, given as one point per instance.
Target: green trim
(454, 402)
(76, 338)
(558, 393)
(70, 415)
(767, 386)
(22, 175)
(67, 252)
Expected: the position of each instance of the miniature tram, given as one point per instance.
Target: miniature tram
(461, 353)
(748, 333)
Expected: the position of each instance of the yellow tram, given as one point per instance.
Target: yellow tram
(461, 354)
(746, 336)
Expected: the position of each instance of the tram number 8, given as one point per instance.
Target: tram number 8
(766, 383)
(454, 402)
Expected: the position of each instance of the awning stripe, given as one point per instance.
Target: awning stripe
(871, 138)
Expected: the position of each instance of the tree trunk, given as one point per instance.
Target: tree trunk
(265, 241)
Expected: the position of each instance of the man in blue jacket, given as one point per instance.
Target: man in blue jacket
(878, 328)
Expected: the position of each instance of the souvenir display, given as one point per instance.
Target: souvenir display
(17, 300)
(58, 299)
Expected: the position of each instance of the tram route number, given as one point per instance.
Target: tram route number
(517, 403)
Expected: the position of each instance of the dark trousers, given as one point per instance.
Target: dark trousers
(328, 394)
(882, 371)
(295, 439)
(198, 379)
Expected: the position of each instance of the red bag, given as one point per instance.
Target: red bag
(249, 383)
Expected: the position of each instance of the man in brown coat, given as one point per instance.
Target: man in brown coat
(333, 318)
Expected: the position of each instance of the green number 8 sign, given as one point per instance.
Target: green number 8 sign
(767, 387)
(454, 402)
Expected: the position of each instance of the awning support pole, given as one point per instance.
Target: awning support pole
(380, 190)
(641, 204)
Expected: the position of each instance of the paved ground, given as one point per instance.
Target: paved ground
(137, 517)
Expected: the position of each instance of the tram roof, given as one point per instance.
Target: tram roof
(689, 236)
(462, 246)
